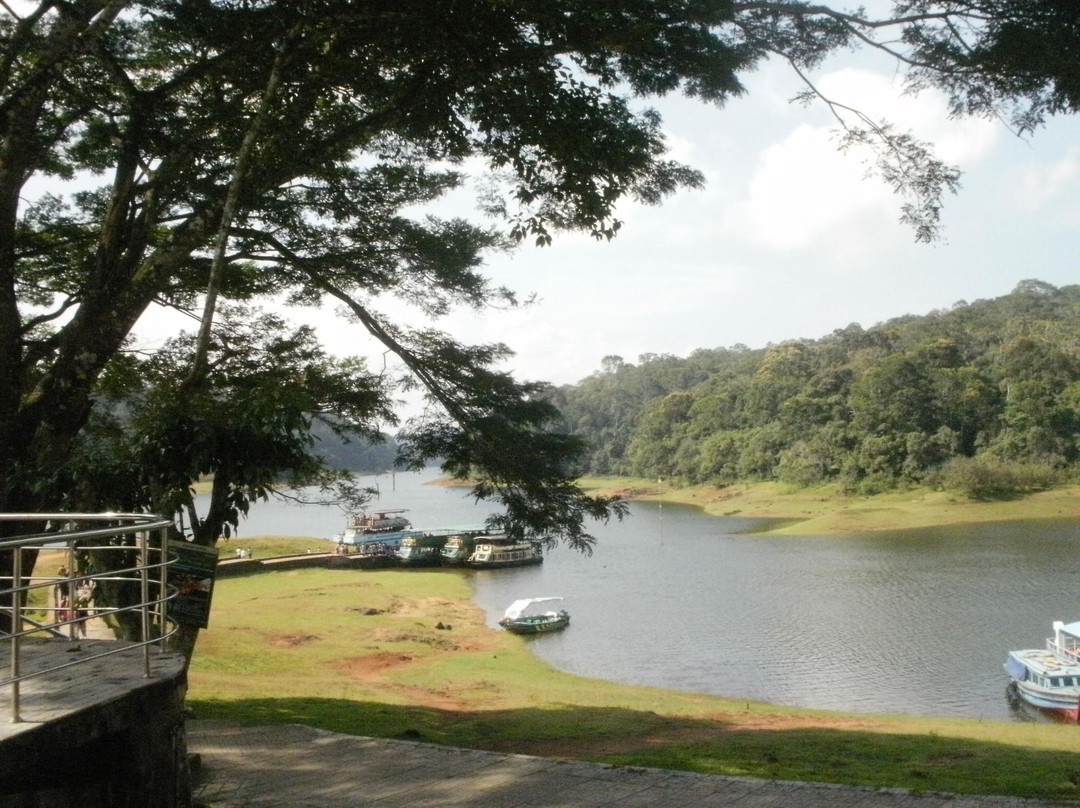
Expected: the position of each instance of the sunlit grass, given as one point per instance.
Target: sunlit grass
(825, 509)
(362, 652)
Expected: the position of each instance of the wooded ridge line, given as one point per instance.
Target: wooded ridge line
(982, 400)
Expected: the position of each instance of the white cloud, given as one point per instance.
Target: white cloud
(1038, 186)
(926, 115)
(804, 193)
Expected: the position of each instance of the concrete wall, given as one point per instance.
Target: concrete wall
(130, 752)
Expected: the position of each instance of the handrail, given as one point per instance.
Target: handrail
(72, 533)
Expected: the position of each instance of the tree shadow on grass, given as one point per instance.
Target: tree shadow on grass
(627, 737)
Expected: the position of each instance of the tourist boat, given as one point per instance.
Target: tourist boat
(386, 527)
(516, 619)
(365, 524)
(458, 548)
(421, 551)
(503, 551)
(1050, 678)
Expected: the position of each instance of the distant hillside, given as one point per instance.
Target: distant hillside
(983, 397)
(356, 455)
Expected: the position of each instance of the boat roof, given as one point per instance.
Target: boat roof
(1046, 663)
(518, 606)
(379, 538)
(1072, 628)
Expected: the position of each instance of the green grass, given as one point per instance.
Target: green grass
(361, 653)
(825, 509)
(263, 546)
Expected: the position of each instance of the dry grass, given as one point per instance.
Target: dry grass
(825, 509)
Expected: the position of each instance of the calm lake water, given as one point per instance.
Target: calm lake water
(903, 622)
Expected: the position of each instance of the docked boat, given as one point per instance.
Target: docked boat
(502, 551)
(1049, 678)
(421, 551)
(366, 524)
(385, 527)
(458, 549)
(519, 619)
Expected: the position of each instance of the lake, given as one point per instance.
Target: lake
(912, 621)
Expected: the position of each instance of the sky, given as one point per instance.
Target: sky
(788, 239)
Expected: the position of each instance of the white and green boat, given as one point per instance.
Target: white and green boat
(520, 620)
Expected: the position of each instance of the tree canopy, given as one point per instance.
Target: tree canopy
(983, 398)
(234, 151)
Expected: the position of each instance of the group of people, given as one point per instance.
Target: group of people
(77, 608)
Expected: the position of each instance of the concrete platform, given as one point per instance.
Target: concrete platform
(89, 683)
(300, 767)
(97, 731)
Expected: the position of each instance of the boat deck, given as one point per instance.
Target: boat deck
(1047, 663)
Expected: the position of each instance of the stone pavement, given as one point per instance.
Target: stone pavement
(301, 767)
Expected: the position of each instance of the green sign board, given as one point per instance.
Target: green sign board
(192, 578)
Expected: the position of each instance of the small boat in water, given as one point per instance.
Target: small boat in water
(503, 551)
(518, 620)
(1050, 678)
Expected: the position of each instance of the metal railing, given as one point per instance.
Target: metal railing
(1065, 651)
(139, 551)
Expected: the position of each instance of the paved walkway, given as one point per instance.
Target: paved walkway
(301, 767)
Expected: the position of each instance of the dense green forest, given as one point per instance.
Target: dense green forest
(982, 398)
(356, 454)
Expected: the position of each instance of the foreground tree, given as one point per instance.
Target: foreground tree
(268, 149)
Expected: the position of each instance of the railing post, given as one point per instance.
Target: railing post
(163, 558)
(69, 587)
(144, 583)
(16, 631)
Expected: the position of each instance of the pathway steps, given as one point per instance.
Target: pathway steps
(301, 767)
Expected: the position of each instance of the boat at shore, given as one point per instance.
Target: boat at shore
(1049, 678)
(380, 527)
(493, 552)
(424, 550)
(458, 549)
(518, 619)
(359, 525)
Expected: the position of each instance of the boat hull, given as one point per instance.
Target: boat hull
(498, 563)
(1065, 705)
(429, 559)
(536, 625)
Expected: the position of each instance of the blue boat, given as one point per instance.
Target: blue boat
(1049, 678)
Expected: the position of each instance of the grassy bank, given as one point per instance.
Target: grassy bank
(826, 509)
(407, 654)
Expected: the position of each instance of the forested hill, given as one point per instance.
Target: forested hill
(983, 398)
(355, 455)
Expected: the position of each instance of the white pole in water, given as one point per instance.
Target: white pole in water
(660, 506)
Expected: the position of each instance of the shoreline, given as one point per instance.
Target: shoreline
(826, 510)
(376, 655)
